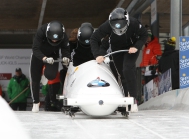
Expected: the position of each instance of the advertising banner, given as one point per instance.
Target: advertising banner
(165, 83)
(184, 61)
(155, 91)
(10, 59)
(148, 88)
(158, 86)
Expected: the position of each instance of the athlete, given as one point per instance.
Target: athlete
(49, 39)
(80, 46)
(125, 33)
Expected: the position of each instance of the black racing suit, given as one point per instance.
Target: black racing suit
(80, 53)
(42, 48)
(135, 36)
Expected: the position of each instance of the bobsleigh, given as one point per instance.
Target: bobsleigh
(93, 89)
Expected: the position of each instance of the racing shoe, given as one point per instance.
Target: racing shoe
(35, 108)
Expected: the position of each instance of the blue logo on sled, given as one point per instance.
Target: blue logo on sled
(98, 83)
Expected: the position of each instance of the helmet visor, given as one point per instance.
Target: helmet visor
(119, 27)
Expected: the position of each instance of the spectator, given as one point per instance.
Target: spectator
(151, 50)
(16, 85)
(170, 60)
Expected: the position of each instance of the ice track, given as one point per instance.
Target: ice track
(171, 121)
(148, 124)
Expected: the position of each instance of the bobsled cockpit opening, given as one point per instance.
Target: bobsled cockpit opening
(98, 83)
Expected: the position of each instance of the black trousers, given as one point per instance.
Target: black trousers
(63, 74)
(51, 97)
(126, 65)
(53, 90)
(19, 106)
(47, 102)
(36, 66)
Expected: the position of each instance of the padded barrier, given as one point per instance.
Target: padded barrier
(175, 99)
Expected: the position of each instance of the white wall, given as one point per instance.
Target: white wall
(10, 59)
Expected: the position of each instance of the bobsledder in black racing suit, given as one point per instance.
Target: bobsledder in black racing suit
(125, 33)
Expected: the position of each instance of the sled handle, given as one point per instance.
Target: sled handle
(119, 51)
(58, 60)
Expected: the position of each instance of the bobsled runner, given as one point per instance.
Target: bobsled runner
(93, 89)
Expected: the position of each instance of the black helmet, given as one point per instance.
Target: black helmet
(119, 21)
(55, 31)
(84, 33)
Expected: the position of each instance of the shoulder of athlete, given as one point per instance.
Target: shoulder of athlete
(43, 28)
(65, 37)
(105, 27)
(41, 32)
(134, 22)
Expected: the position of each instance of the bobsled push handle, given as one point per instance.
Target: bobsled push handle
(58, 60)
(119, 51)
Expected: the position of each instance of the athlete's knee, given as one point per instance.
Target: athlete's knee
(129, 68)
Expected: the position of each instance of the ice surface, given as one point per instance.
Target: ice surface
(172, 123)
(153, 124)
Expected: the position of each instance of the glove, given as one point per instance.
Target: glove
(65, 61)
(107, 60)
(49, 60)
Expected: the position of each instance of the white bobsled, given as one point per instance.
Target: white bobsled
(92, 88)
